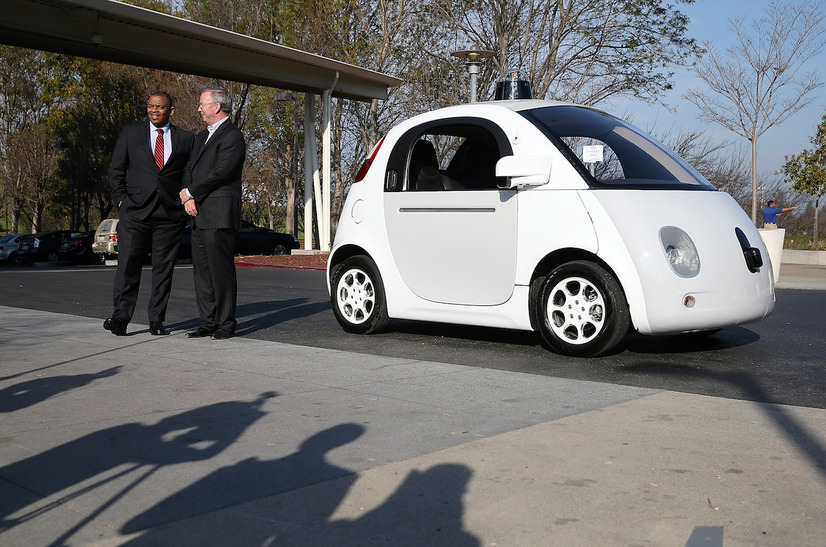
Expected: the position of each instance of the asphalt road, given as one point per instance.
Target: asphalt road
(778, 360)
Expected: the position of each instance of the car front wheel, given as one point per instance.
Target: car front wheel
(280, 249)
(581, 310)
(358, 297)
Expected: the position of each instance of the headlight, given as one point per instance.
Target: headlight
(680, 251)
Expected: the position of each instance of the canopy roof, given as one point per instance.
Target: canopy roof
(113, 31)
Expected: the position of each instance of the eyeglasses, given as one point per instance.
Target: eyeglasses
(203, 105)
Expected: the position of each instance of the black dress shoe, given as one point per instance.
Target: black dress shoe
(222, 334)
(200, 332)
(115, 326)
(156, 328)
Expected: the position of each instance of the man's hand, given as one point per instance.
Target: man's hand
(189, 203)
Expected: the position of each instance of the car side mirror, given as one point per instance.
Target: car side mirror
(524, 170)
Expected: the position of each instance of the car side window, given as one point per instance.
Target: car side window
(448, 157)
(446, 161)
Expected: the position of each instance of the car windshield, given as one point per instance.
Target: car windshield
(611, 153)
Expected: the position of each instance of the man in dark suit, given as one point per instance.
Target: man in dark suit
(212, 197)
(146, 176)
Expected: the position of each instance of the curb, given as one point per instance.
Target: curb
(278, 266)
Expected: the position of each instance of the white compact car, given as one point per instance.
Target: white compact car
(542, 216)
(106, 238)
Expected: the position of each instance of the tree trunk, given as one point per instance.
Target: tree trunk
(37, 214)
(337, 170)
(16, 210)
(754, 181)
(290, 224)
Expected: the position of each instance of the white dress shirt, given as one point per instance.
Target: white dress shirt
(167, 140)
(211, 128)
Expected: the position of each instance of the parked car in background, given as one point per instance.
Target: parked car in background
(41, 247)
(254, 240)
(8, 248)
(250, 240)
(106, 238)
(77, 249)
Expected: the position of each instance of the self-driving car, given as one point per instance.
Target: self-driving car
(543, 216)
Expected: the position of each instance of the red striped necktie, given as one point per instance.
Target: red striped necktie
(159, 149)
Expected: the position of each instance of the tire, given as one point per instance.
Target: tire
(581, 310)
(52, 258)
(14, 260)
(280, 249)
(358, 296)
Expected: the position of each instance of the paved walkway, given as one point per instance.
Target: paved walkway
(802, 276)
(143, 440)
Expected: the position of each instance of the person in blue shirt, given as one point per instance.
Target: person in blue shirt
(770, 213)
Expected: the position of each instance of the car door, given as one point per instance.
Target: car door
(452, 231)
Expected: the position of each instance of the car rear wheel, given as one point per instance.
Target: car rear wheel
(52, 258)
(358, 296)
(581, 310)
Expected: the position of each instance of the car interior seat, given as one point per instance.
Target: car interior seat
(424, 167)
(474, 165)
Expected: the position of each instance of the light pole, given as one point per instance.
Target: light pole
(474, 55)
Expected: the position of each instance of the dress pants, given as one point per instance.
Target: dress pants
(216, 287)
(160, 235)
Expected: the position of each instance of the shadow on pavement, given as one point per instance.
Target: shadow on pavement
(132, 449)
(730, 337)
(31, 392)
(426, 509)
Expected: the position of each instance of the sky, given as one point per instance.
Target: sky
(709, 22)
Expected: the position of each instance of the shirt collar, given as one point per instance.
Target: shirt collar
(154, 129)
(213, 127)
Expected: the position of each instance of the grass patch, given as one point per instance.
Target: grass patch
(799, 241)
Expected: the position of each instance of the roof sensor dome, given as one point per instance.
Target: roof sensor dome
(512, 84)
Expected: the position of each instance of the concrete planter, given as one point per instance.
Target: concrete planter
(773, 239)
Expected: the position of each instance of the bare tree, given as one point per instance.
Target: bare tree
(21, 70)
(14, 184)
(584, 51)
(759, 82)
(34, 158)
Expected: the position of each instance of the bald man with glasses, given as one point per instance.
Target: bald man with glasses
(212, 197)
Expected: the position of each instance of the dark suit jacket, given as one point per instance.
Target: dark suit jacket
(135, 179)
(213, 177)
